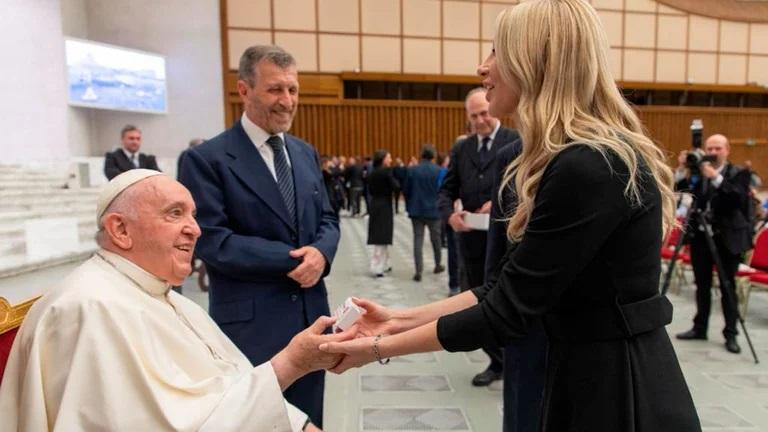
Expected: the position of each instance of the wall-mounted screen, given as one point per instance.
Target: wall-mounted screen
(111, 77)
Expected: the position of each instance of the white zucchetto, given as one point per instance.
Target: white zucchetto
(119, 184)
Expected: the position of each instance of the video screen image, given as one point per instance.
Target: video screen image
(110, 77)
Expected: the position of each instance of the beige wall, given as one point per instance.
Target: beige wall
(649, 42)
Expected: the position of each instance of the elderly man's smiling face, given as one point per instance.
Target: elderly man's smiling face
(164, 232)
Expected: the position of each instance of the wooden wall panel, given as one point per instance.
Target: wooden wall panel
(359, 127)
(670, 127)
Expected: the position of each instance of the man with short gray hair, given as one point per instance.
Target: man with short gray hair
(269, 233)
(470, 179)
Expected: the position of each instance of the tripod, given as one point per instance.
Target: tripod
(728, 292)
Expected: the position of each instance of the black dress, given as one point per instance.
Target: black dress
(381, 186)
(589, 266)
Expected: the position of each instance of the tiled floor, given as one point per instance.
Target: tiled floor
(432, 392)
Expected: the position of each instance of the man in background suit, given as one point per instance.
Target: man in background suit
(470, 179)
(269, 233)
(354, 179)
(421, 188)
(128, 157)
(722, 192)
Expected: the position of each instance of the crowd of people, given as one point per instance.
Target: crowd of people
(559, 286)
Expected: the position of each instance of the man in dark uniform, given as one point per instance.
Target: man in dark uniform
(470, 179)
(722, 192)
(128, 157)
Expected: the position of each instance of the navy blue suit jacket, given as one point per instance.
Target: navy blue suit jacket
(247, 234)
(421, 190)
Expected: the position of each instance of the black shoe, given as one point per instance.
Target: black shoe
(417, 277)
(692, 334)
(439, 269)
(731, 345)
(388, 270)
(379, 275)
(485, 378)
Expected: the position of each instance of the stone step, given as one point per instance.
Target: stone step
(19, 216)
(34, 176)
(14, 242)
(16, 264)
(32, 202)
(49, 191)
(17, 229)
(25, 185)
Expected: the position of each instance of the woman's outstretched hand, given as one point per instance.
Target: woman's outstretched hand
(357, 352)
(377, 319)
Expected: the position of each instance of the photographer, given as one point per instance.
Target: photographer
(722, 195)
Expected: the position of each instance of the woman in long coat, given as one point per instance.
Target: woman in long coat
(593, 198)
(381, 186)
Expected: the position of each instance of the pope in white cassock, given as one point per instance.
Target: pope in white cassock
(112, 348)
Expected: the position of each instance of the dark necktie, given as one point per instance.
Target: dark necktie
(484, 153)
(283, 174)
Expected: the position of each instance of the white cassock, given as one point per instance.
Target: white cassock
(112, 349)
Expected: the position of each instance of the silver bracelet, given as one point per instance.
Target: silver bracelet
(376, 350)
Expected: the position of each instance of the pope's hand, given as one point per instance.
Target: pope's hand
(302, 355)
(376, 320)
(357, 352)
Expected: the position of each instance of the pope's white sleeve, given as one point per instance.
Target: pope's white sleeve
(296, 417)
(254, 402)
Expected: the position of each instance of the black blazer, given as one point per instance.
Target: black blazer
(467, 179)
(729, 206)
(354, 176)
(116, 163)
(381, 185)
(497, 230)
(589, 265)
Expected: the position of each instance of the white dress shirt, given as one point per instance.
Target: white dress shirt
(492, 136)
(131, 156)
(259, 139)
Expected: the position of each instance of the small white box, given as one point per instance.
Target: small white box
(347, 315)
(477, 221)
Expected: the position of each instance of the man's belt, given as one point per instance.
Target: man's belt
(619, 321)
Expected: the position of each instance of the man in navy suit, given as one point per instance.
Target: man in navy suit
(421, 189)
(269, 234)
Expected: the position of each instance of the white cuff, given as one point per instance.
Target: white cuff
(296, 417)
(717, 181)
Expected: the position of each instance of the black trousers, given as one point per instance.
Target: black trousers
(702, 262)
(418, 241)
(472, 256)
(355, 193)
(453, 257)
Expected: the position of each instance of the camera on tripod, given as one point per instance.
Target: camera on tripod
(696, 156)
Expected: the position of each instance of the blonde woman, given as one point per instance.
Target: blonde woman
(594, 198)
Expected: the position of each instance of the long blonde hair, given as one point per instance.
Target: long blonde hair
(554, 52)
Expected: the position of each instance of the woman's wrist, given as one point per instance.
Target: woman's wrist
(403, 320)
